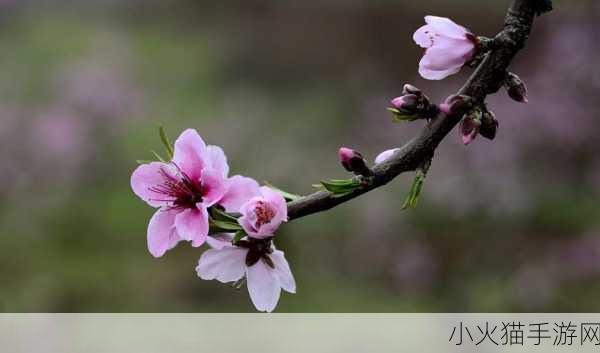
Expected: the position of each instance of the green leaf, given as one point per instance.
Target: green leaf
(415, 191)
(165, 141)
(239, 235)
(340, 187)
(286, 195)
(143, 161)
(157, 156)
(221, 215)
(225, 226)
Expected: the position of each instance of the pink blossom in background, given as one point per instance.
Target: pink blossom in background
(229, 264)
(263, 214)
(448, 47)
(182, 191)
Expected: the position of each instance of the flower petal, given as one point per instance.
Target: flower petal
(216, 160)
(422, 36)
(277, 202)
(214, 187)
(446, 27)
(240, 189)
(447, 53)
(189, 154)
(383, 156)
(263, 286)
(219, 241)
(437, 75)
(284, 274)
(192, 225)
(224, 265)
(145, 178)
(162, 235)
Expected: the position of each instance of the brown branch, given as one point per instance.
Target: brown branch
(487, 79)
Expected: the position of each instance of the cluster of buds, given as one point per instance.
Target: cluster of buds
(354, 162)
(516, 88)
(412, 105)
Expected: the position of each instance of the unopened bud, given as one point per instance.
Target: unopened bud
(407, 104)
(469, 127)
(354, 162)
(410, 89)
(489, 125)
(456, 104)
(516, 88)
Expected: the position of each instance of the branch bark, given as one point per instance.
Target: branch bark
(486, 79)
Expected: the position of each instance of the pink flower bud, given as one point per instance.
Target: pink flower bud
(407, 104)
(469, 128)
(410, 89)
(516, 88)
(455, 104)
(448, 47)
(353, 162)
(489, 125)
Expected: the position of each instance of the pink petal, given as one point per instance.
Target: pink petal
(192, 225)
(147, 176)
(225, 265)
(422, 36)
(277, 202)
(284, 274)
(263, 286)
(189, 154)
(248, 218)
(446, 27)
(437, 75)
(162, 235)
(216, 160)
(447, 53)
(240, 189)
(214, 187)
(383, 156)
(219, 241)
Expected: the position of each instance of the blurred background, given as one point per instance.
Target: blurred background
(508, 225)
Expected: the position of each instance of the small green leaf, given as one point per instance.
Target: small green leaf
(226, 226)
(157, 156)
(143, 161)
(286, 195)
(165, 141)
(239, 235)
(340, 187)
(415, 191)
(221, 215)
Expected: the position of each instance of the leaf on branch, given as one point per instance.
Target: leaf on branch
(340, 187)
(144, 161)
(239, 235)
(415, 191)
(165, 141)
(157, 156)
(220, 215)
(223, 226)
(286, 195)
(399, 116)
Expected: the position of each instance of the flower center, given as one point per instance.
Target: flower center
(180, 191)
(264, 214)
(258, 250)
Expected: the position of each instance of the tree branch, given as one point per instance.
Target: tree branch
(487, 79)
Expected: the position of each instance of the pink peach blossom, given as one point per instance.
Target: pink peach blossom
(183, 190)
(269, 273)
(263, 213)
(448, 47)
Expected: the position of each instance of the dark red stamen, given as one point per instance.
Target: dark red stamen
(181, 192)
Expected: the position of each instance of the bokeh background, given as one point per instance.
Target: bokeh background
(508, 225)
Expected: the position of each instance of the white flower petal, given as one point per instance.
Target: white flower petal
(225, 265)
(284, 274)
(263, 286)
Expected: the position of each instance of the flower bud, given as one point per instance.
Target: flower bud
(469, 128)
(489, 125)
(407, 104)
(456, 104)
(516, 88)
(410, 89)
(354, 162)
